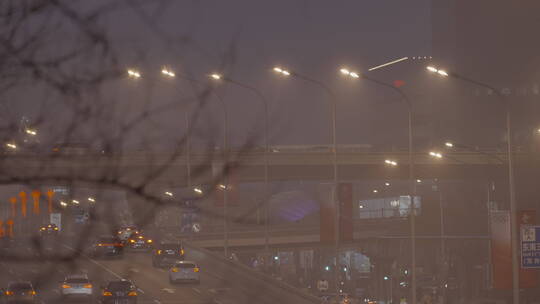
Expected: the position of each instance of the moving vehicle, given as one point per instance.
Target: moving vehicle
(20, 292)
(125, 233)
(139, 241)
(122, 291)
(167, 254)
(185, 271)
(49, 229)
(77, 285)
(107, 246)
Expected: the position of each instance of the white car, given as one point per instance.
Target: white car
(184, 271)
(77, 286)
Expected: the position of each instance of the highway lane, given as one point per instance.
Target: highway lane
(218, 284)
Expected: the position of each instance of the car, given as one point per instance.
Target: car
(336, 298)
(20, 292)
(139, 241)
(107, 246)
(125, 233)
(121, 291)
(184, 271)
(76, 286)
(167, 254)
(49, 229)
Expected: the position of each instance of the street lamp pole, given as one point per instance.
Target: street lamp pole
(412, 183)
(334, 158)
(171, 74)
(511, 178)
(264, 101)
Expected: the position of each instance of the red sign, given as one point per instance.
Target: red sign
(50, 195)
(22, 194)
(9, 223)
(13, 202)
(36, 195)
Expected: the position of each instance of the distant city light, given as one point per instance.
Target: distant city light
(216, 76)
(450, 145)
(418, 180)
(222, 187)
(91, 199)
(198, 190)
(63, 204)
(387, 184)
(168, 193)
(76, 202)
(375, 191)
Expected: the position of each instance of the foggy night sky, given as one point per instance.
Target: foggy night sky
(314, 38)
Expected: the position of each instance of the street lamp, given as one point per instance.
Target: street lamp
(390, 162)
(31, 132)
(285, 72)
(134, 74)
(451, 145)
(511, 180)
(435, 154)
(412, 185)
(264, 100)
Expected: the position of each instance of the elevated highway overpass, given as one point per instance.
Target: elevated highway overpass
(172, 170)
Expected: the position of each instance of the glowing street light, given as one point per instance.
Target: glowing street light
(167, 72)
(438, 71)
(31, 132)
(391, 162)
(216, 76)
(349, 73)
(375, 191)
(134, 73)
(419, 181)
(282, 71)
(435, 154)
(387, 184)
